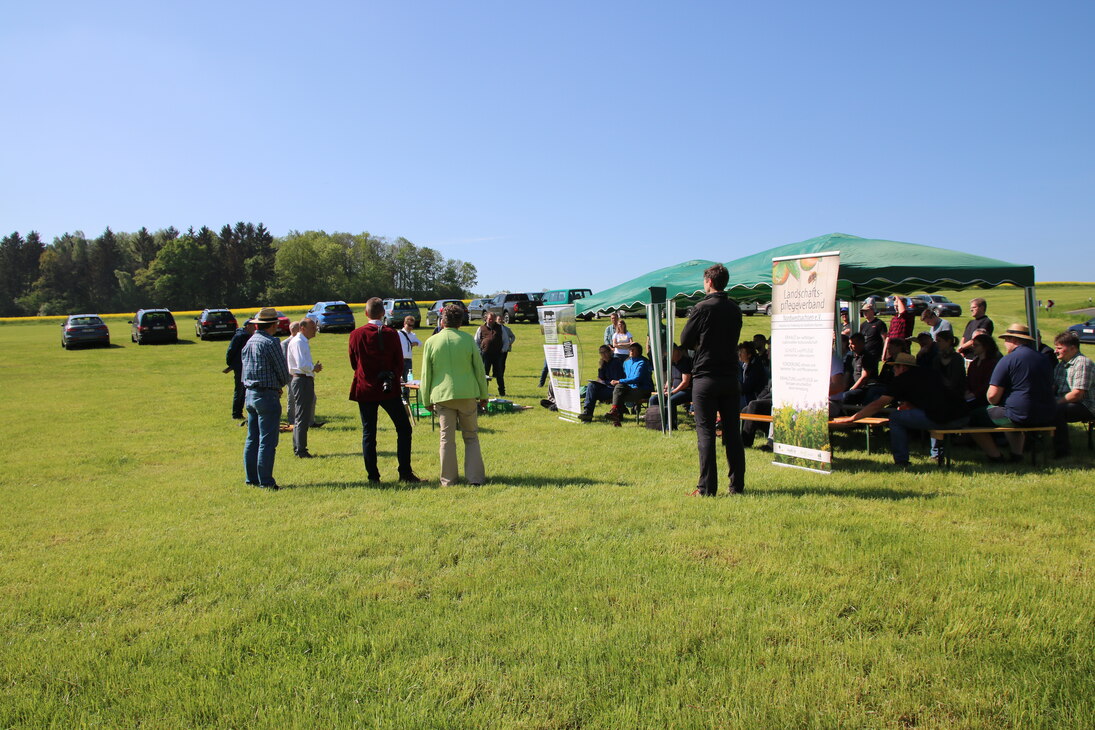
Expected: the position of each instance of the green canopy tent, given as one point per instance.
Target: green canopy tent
(874, 266)
(656, 291)
(680, 281)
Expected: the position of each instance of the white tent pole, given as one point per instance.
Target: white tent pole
(670, 321)
(1031, 305)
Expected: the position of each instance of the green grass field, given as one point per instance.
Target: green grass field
(141, 583)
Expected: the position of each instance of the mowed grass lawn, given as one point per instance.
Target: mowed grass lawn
(141, 583)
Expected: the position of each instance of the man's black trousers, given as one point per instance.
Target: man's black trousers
(713, 397)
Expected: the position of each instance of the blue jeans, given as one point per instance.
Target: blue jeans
(681, 397)
(596, 392)
(263, 418)
(914, 418)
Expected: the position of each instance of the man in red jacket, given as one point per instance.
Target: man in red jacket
(377, 359)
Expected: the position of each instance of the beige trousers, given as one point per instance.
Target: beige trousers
(463, 414)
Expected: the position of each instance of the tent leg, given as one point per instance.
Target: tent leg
(1032, 309)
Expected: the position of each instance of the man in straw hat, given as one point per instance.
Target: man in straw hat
(926, 406)
(1020, 393)
(265, 373)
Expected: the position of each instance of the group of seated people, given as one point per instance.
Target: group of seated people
(625, 375)
(951, 383)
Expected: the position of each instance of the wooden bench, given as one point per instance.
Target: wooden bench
(946, 434)
(867, 422)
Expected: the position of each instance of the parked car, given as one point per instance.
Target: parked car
(516, 307)
(330, 316)
(1085, 331)
(396, 310)
(283, 325)
(434, 312)
(84, 329)
(751, 308)
(477, 308)
(153, 325)
(884, 306)
(557, 297)
(213, 323)
(941, 305)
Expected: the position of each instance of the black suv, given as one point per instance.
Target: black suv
(215, 323)
(153, 325)
(517, 306)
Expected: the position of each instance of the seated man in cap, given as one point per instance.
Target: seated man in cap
(1074, 387)
(1020, 393)
(924, 406)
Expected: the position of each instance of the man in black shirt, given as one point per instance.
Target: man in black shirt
(980, 324)
(712, 332)
(927, 407)
(864, 372)
(874, 332)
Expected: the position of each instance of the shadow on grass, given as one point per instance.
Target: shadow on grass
(853, 492)
(545, 481)
(363, 483)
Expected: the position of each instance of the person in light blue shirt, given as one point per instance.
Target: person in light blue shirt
(636, 385)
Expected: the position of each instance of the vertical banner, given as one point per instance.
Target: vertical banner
(560, 329)
(803, 321)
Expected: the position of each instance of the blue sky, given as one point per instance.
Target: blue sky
(561, 144)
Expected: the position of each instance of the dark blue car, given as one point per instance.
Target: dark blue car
(330, 316)
(84, 329)
(1085, 331)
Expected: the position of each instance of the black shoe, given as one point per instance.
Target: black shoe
(410, 478)
(272, 487)
(374, 480)
(585, 417)
(546, 403)
(243, 423)
(304, 455)
(765, 447)
(475, 484)
(318, 424)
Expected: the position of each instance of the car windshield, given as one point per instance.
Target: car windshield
(337, 308)
(85, 321)
(539, 297)
(220, 316)
(156, 318)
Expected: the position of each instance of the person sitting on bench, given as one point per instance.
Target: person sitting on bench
(600, 390)
(1074, 387)
(1020, 394)
(926, 406)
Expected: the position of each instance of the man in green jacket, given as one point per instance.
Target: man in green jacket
(454, 385)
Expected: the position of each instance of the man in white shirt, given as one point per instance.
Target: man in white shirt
(302, 388)
(409, 340)
(290, 402)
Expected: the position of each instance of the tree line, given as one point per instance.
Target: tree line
(239, 266)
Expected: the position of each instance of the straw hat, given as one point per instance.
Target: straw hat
(903, 358)
(266, 315)
(1017, 332)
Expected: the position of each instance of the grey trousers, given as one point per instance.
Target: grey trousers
(302, 393)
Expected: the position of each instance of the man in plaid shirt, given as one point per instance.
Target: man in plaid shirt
(1074, 388)
(265, 373)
